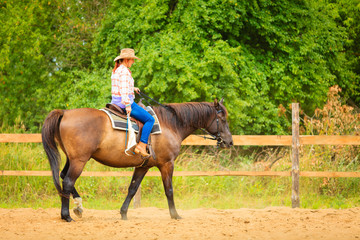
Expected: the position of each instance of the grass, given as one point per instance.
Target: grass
(226, 192)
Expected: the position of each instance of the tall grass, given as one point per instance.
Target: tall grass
(190, 192)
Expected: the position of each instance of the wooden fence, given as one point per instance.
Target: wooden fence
(294, 140)
(239, 140)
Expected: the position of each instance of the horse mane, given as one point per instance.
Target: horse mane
(186, 115)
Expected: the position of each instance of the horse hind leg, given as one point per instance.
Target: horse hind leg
(73, 172)
(78, 209)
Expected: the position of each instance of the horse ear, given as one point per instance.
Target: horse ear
(222, 101)
(216, 103)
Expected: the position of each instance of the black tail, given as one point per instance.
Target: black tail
(50, 132)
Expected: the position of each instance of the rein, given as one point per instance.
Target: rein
(146, 96)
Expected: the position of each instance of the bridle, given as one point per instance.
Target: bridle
(215, 136)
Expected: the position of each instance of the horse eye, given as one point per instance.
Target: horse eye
(223, 119)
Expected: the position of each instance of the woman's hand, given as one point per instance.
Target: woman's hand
(137, 90)
(128, 110)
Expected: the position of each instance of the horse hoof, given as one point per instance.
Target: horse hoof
(68, 219)
(123, 214)
(78, 212)
(177, 217)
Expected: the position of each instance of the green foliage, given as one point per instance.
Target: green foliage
(349, 18)
(24, 43)
(41, 40)
(255, 54)
(77, 89)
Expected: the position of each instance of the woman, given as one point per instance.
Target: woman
(122, 91)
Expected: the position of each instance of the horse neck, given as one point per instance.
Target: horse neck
(184, 133)
(188, 117)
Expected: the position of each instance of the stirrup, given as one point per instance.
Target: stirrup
(145, 161)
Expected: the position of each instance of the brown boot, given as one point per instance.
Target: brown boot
(141, 149)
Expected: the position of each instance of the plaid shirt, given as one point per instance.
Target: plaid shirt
(122, 85)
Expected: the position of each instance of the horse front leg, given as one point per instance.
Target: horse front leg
(137, 177)
(166, 174)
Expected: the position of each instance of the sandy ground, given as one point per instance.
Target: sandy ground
(154, 223)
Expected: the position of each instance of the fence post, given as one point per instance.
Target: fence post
(137, 198)
(295, 199)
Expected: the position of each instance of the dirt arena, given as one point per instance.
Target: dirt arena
(154, 223)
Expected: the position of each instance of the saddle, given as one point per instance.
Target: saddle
(121, 113)
(116, 110)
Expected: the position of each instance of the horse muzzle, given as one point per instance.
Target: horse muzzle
(225, 144)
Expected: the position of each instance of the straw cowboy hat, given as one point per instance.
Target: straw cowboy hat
(127, 53)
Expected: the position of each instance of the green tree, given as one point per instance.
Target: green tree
(39, 39)
(25, 64)
(348, 17)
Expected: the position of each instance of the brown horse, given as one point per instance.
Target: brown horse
(87, 133)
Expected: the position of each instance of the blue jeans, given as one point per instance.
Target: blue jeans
(143, 116)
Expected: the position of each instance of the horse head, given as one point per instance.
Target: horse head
(219, 126)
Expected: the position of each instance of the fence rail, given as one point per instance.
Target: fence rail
(192, 173)
(239, 140)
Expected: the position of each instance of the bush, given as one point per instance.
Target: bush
(335, 118)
